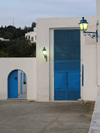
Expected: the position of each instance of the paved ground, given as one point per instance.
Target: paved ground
(53, 117)
(22, 96)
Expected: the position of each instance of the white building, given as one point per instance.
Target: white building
(2, 39)
(70, 72)
(31, 36)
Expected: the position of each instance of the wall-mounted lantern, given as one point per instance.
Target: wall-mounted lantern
(84, 25)
(45, 53)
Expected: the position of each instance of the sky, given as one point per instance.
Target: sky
(24, 12)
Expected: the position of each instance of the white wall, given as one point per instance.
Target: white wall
(45, 70)
(89, 59)
(28, 65)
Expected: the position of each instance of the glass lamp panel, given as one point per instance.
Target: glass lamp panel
(83, 26)
(44, 52)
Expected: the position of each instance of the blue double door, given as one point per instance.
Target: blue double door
(67, 85)
(66, 64)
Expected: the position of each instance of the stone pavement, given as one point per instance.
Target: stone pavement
(43, 117)
(22, 96)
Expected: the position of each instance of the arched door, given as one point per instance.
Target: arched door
(13, 84)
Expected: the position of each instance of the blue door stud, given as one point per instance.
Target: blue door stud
(66, 64)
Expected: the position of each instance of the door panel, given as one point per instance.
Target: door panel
(60, 82)
(74, 86)
(74, 81)
(60, 86)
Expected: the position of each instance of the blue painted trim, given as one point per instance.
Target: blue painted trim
(96, 35)
(20, 83)
(82, 75)
(80, 64)
(24, 77)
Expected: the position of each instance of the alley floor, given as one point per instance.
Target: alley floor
(44, 117)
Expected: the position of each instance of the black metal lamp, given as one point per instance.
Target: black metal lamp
(84, 25)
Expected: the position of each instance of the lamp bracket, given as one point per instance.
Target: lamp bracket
(45, 56)
(92, 34)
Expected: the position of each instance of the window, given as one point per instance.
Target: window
(24, 78)
(35, 37)
(32, 38)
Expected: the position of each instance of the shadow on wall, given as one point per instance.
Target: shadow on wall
(17, 84)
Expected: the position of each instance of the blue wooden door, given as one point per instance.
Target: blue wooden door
(13, 84)
(66, 64)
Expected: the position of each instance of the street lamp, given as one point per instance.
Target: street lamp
(45, 53)
(84, 25)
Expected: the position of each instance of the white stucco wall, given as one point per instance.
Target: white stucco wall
(45, 70)
(28, 65)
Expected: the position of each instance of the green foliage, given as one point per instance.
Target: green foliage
(17, 46)
(3, 54)
(33, 25)
(11, 32)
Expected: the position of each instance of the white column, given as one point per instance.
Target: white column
(98, 46)
(95, 123)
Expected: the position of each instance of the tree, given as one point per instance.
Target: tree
(17, 46)
(3, 54)
(33, 25)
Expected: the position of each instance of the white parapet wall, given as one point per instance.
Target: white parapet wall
(27, 65)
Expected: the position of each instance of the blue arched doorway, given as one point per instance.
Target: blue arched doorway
(17, 84)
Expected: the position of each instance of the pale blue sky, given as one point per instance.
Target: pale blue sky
(25, 12)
